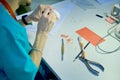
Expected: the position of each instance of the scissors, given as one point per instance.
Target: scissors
(89, 63)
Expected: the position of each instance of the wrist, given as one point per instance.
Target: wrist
(36, 50)
(40, 40)
(44, 33)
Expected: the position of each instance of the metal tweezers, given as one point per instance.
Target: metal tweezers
(88, 63)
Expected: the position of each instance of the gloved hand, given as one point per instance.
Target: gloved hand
(46, 21)
(36, 14)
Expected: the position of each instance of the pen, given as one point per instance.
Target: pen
(99, 16)
(62, 50)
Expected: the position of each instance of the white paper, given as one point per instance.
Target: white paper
(32, 28)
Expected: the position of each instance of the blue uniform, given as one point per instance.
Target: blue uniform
(15, 63)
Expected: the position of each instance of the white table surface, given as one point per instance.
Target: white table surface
(75, 19)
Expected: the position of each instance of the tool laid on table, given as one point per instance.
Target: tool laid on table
(62, 49)
(81, 51)
(88, 63)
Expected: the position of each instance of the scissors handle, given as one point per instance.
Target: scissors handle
(88, 62)
(96, 64)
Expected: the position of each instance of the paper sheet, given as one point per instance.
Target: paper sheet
(32, 28)
(90, 36)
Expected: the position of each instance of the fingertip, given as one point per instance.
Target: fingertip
(57, 14)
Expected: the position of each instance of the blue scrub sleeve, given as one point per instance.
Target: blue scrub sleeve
(14, 58)
(15, 62)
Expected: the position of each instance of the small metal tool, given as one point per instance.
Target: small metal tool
(88, 63)
(81, 50)
(82, 57)
(62, 50)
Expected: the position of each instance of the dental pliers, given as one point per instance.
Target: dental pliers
(88, 63)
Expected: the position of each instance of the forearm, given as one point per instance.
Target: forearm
(46, 22)
(39, 43)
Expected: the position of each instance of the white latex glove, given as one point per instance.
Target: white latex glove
(46, 21)
(36, 14)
